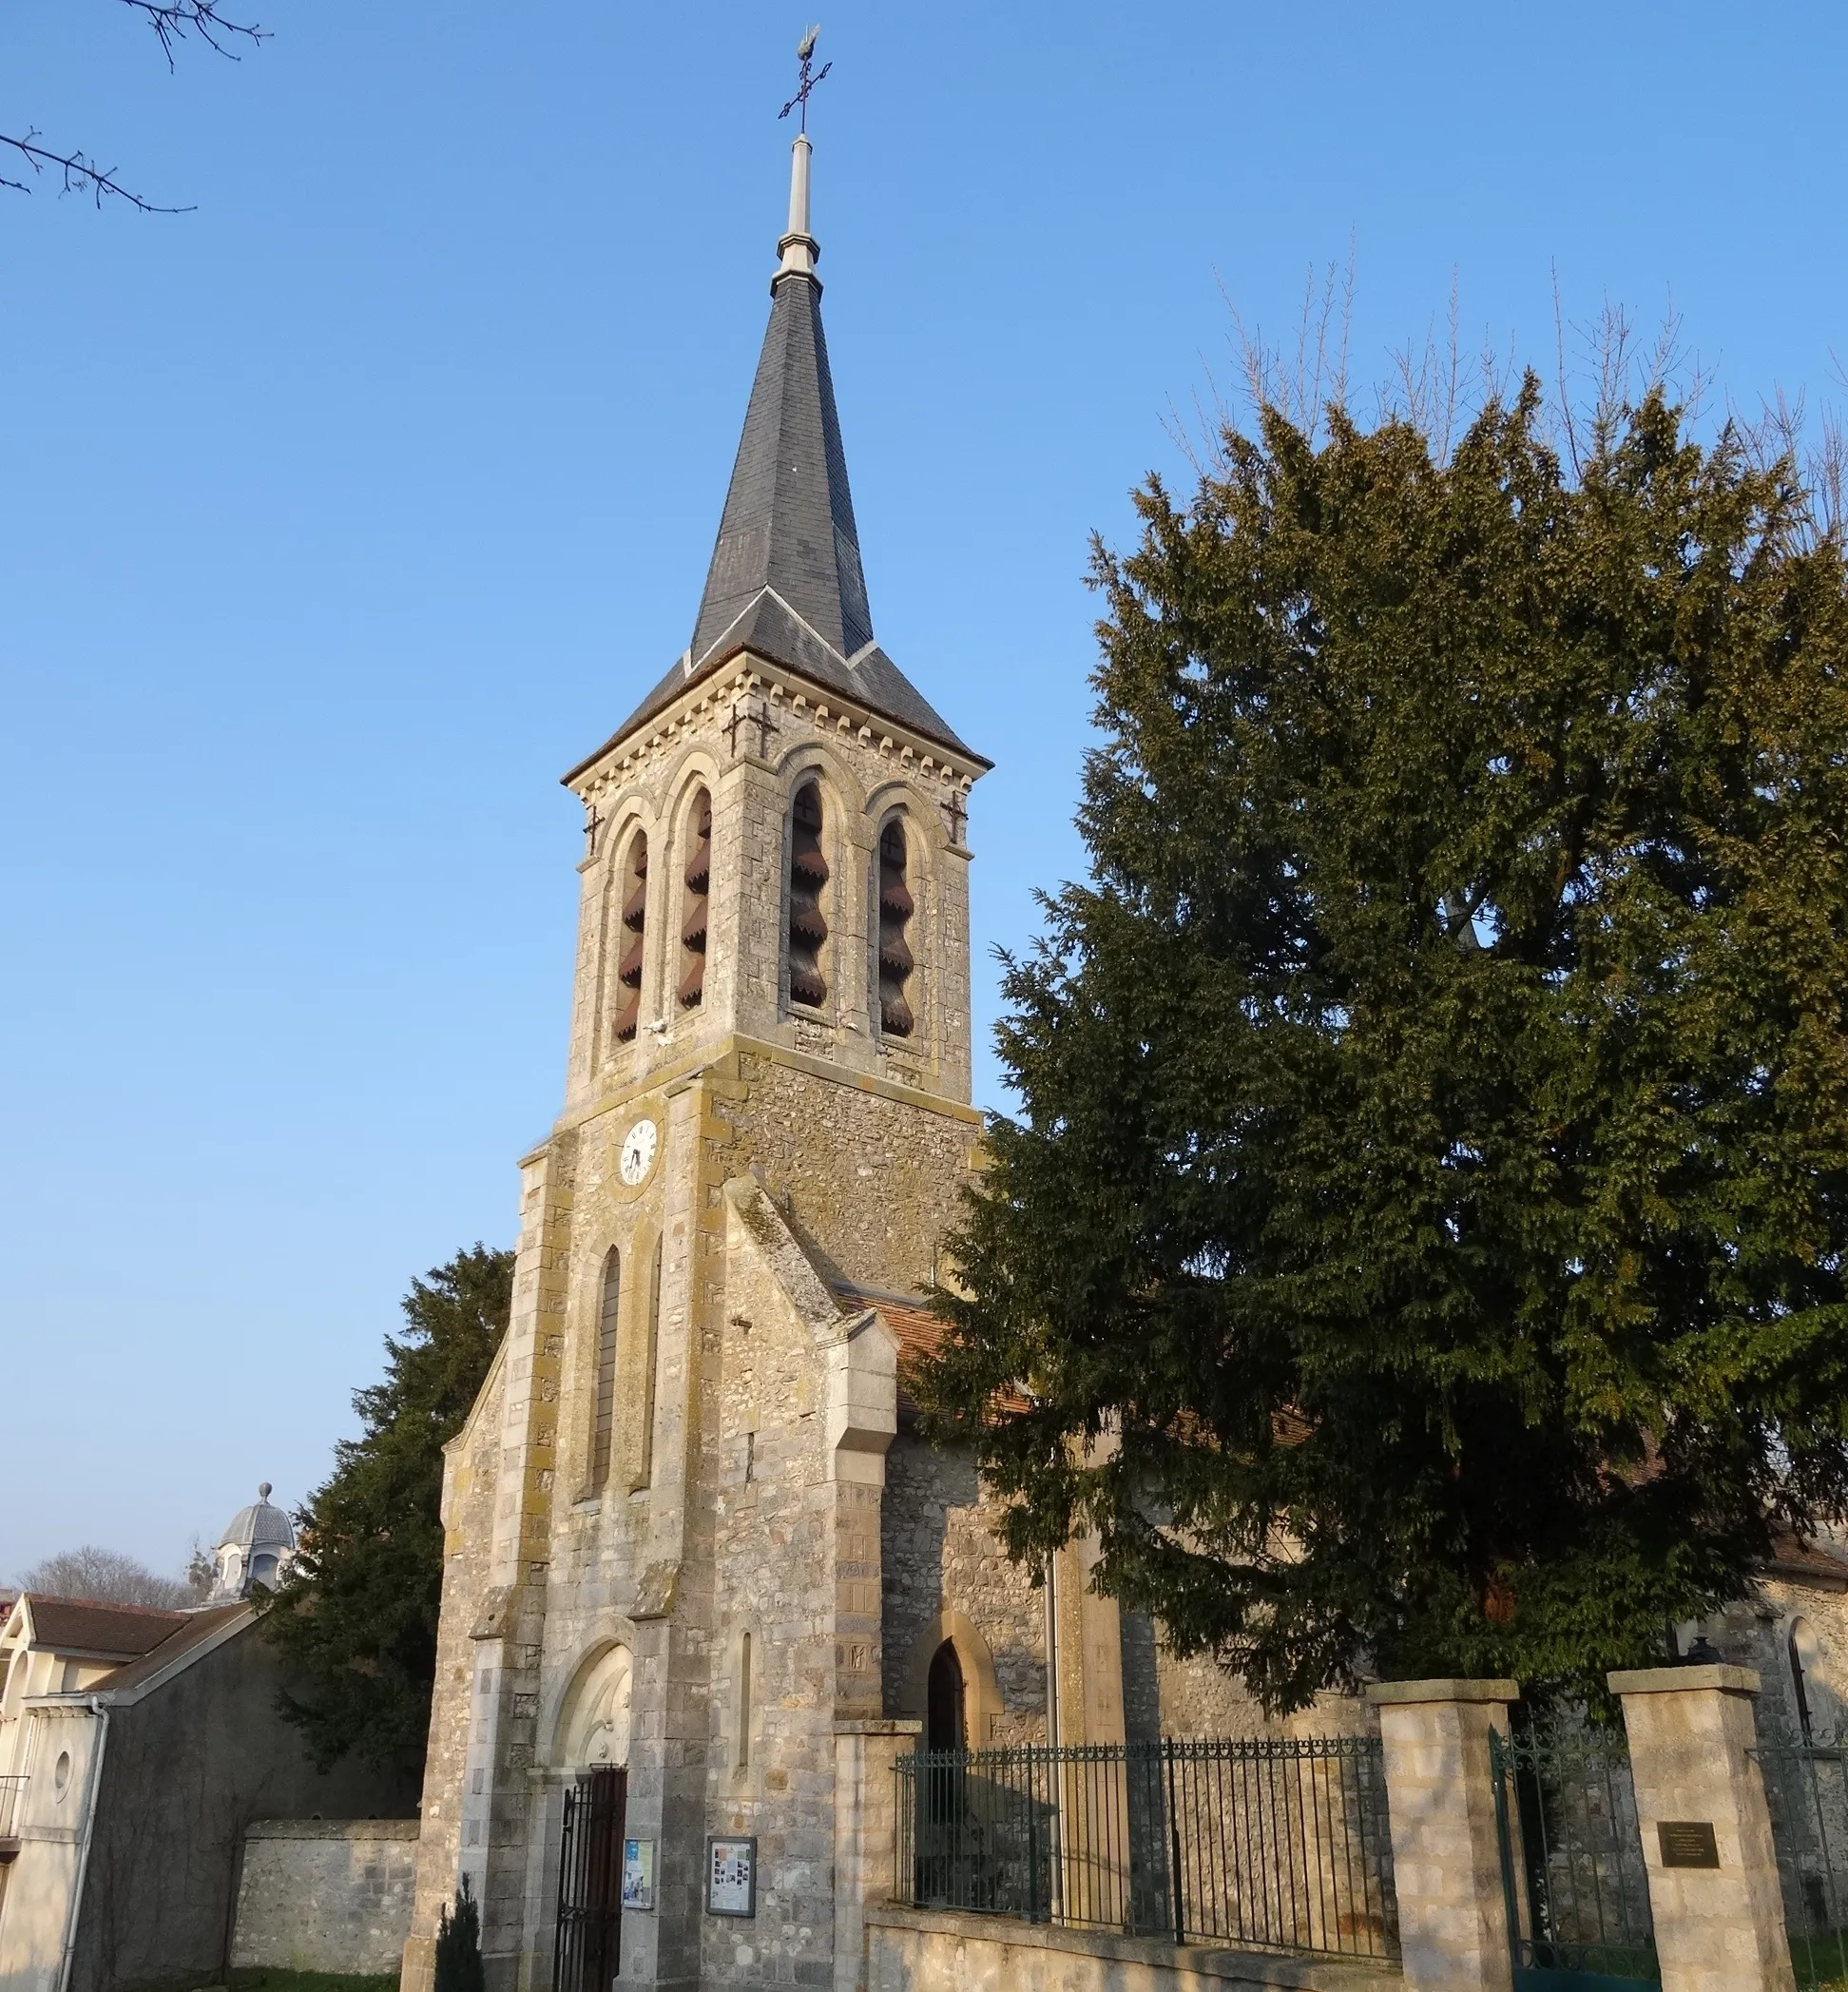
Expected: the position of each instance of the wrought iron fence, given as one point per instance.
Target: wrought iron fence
(1806, 1789)
(1571, 1854)
(1280, 1845)
(11, 1791)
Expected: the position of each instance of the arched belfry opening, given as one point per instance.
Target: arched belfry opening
(945, 1712)
(635, 920)
(896, 909)
(808, 879)
(696, 896)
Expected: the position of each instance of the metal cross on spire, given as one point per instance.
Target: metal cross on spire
(810, 77)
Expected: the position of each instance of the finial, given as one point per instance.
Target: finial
(805, 55)
(797, 247)
(263, 1490)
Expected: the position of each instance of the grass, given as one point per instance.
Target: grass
(261, 1979)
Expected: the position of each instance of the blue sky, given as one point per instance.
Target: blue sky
(340, 517)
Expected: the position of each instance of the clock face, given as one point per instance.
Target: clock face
(638, 1152)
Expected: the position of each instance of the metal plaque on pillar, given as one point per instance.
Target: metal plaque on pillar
(1687, 1843)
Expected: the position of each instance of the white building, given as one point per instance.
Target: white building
(136, 1745)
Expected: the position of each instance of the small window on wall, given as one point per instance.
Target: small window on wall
(635, 920)
(808, 875)
(896, 909)
(1805, 1658)
(694, 902)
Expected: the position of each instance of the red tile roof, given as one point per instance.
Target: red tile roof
(919, 1328)
(921, 1332)
(1814, 1560)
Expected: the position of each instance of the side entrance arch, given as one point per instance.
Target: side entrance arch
(945, 1712)
(594, 1744)
(936, 1683)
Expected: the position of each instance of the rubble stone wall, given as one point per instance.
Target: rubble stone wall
(325, 1895)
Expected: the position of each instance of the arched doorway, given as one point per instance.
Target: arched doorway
(946, 1717)
(595, 1745)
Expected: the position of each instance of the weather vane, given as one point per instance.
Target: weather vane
(805, 55)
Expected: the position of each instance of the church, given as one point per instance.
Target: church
(704, 1579)
(698, 1560)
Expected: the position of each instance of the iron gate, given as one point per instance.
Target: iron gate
(590, 1944)
(1572, 1861)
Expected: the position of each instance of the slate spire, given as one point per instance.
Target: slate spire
(788, 522)
(785, 582)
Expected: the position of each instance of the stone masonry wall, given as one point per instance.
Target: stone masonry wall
(941, 1554)
(872, 1180)
(770, 1767)
(1200, 1697)
(470, 1476)
(936, 1950)
(325, 1895)
(1756, 1633)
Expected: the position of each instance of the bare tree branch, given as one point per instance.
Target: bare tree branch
(1304, 390)
(1563, 392)
(172, 22)
(80, 175)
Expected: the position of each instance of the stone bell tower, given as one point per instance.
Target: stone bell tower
(662, 1517)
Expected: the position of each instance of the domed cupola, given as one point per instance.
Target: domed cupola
(256, 1548)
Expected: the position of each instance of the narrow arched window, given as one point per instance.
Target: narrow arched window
(896, 909)
(693, 903)
(808, 876)
(744, 1702)
(605, 1427)
(645, 1459)
(635, 920)
(1804, 1653)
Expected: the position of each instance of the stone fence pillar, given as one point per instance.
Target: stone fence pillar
(1446, 1857)
(866, 1833)
(1706, 1832)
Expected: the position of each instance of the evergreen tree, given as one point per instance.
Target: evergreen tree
(1421, 1246)
(357, 1619)
(458, 1966)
